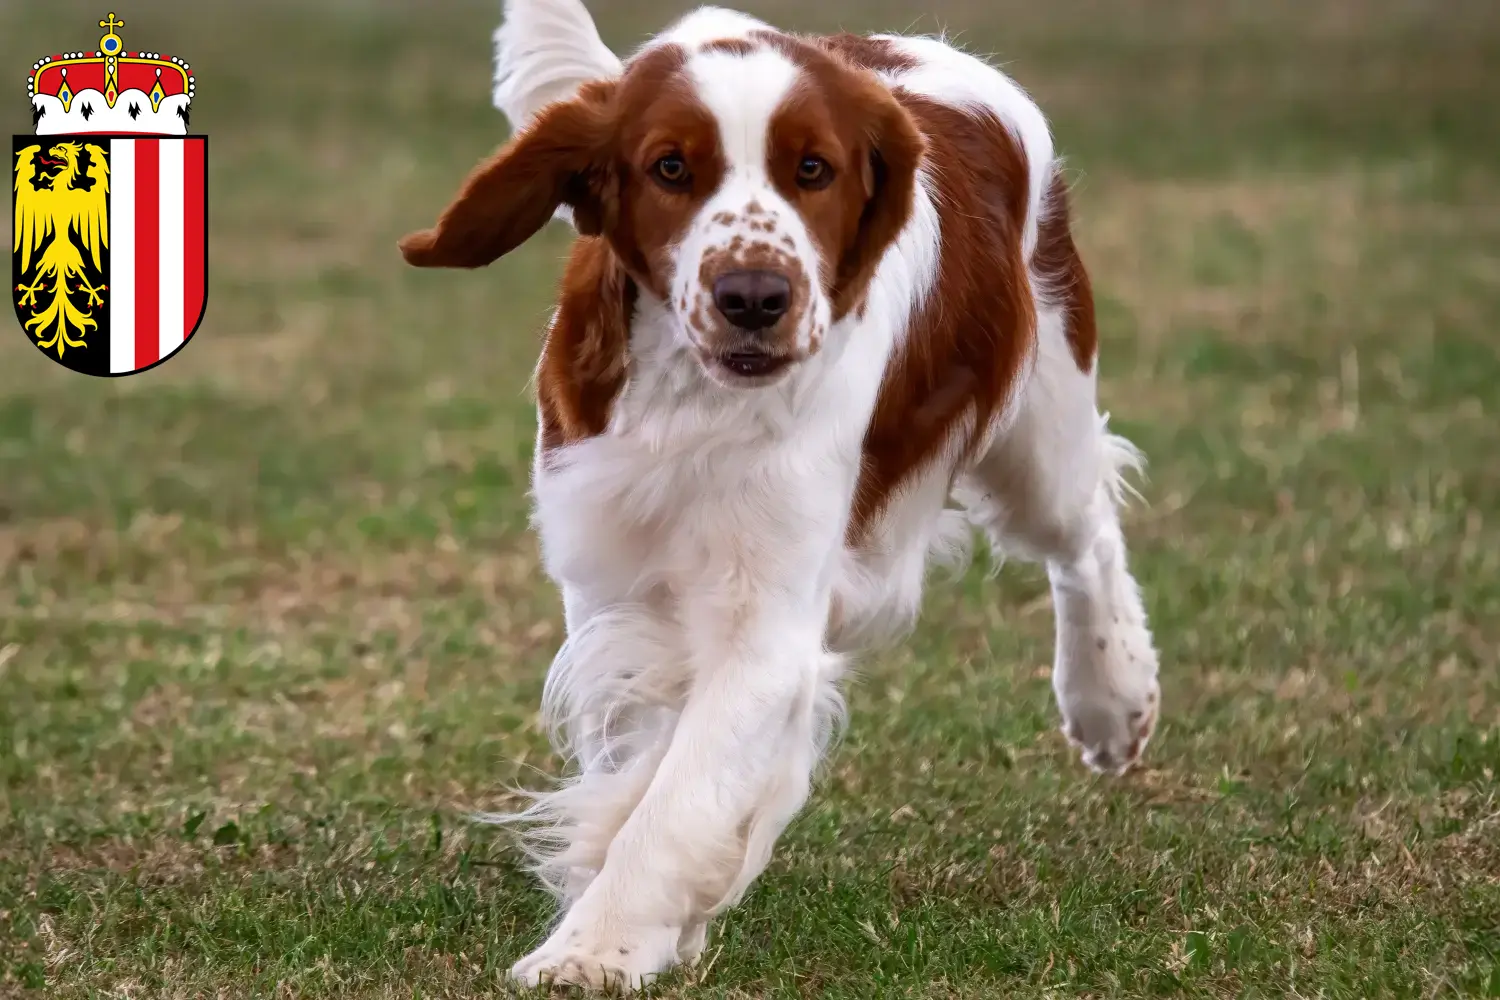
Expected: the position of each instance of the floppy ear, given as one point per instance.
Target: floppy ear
(890, 180)
(562, 158)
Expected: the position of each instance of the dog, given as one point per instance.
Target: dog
(824, 323)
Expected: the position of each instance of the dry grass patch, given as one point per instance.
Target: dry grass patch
(1245, 256)
(1146, 240)
(167, 563)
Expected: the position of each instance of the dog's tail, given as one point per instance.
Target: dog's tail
(544, 51)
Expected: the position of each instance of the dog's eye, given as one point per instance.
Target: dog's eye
(672, 170)
(814, 173)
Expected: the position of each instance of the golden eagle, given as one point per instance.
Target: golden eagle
(61, 210)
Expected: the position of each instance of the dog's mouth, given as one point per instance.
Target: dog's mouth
(754, 365)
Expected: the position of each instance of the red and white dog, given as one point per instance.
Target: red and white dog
(824, 321)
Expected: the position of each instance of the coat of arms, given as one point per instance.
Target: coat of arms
(110, 253)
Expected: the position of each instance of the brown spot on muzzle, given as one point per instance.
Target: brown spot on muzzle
(870, 53)
(741, 255)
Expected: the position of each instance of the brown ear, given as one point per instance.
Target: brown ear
(561, 158)
(890, 179)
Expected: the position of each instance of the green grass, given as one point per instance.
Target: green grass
(271, 624)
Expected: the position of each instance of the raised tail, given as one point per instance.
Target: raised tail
(544, 51)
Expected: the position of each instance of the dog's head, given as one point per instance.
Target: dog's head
(750, 183)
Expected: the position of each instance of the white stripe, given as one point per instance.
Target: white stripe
(172, 233)
(122, 255)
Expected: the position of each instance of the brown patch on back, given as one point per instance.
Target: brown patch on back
(584, 357)
(1064, 278)
(878, 54)
(733, 46)
(964, 351)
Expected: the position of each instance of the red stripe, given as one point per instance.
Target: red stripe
(193, 255)
(147, 251)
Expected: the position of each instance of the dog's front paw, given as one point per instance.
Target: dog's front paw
(598, 957)
(1107, 688)
(1109, 725)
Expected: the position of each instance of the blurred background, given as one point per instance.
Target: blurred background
(271, 623)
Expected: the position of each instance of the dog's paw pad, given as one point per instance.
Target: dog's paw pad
(614, 964)
(1110, 729)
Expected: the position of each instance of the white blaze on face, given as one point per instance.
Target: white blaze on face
(746, 223)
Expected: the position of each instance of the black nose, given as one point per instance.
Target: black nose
(752, 300)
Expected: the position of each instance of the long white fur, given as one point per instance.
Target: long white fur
(699, 542)
(544, 51)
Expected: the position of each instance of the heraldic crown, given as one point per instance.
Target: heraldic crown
(110, 90)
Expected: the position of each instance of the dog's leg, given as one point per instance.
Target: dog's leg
(1049, 490)
(606, 705)
(736, 770)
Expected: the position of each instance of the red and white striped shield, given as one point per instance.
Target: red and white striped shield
(110, 256)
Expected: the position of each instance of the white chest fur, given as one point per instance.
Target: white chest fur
(694, 483)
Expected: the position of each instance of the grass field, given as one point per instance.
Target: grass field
(271, 624)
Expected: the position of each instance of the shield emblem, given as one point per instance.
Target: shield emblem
(109, 263)
(110, 254)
